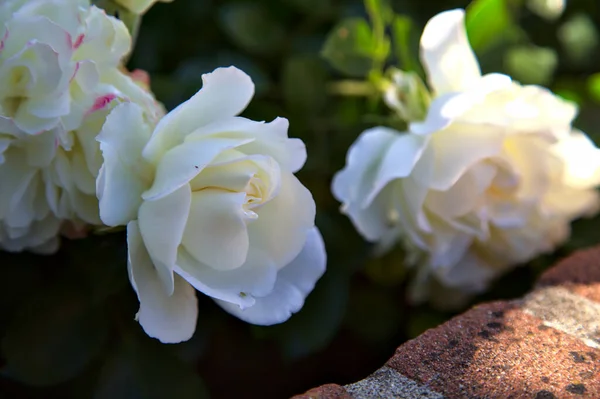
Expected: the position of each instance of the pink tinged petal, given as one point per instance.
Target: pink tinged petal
(459, 148)
(225, 93)
(446, 54)
(182, 163)
(102, 101)
(354, 182)
(120, 185)
(256, 277)
(397, 163)
(78, 41)
(294, 282)
(168, 318)
(268, 139)
(216, 233)
(162, 224)
(282, 223)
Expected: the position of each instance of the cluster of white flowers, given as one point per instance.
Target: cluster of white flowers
(60, 76)
(491, 177)
(209, 199)
(488, 174)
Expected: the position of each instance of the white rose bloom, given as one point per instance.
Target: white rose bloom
(59, 79)
(211, 202)
(491, 178)
(139, 6)
(51, 55)
(51, 177)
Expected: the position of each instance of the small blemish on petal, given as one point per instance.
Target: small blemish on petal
(102, 101)
(78, 41)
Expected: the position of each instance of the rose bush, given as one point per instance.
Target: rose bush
(490, 178)
(210, 202)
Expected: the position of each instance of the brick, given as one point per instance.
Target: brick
(580, 273)
(498, 351)
(328, 391)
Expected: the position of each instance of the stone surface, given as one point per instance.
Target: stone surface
(543, 346)
(566, 311)
(387, 383)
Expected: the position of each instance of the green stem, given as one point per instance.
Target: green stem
(354, 88)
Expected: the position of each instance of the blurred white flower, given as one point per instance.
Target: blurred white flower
(139, 6)
(491, 178)
(211, 202)
(59, 78)
(548, 9)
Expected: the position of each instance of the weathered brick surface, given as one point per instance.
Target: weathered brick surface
(580, 273)
(329, 391)
(498, 351)
(544, 346)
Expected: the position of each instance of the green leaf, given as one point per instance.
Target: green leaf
(351, 47)
(251, 27)
(487, 22)
(54, 336)
(593, 84)
(304, 84)
(145, 369)
(531, 65)
(403, 34)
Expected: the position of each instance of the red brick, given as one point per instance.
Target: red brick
(329, 391)
(579, 273)
(497, 351)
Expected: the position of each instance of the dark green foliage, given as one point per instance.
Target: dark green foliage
(67, 321)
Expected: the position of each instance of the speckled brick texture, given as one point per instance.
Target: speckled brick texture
(580, 273)
(497, 351)
(329, 391)
(543, 346)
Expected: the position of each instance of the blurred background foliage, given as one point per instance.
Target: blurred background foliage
(66, 321)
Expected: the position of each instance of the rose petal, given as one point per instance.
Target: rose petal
(170, 319)
(294, 282)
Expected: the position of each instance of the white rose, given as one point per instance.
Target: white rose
(59, 78)
(51, 55)
(210, 202)
(491, 178)
(139, 6)
(51, 177)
